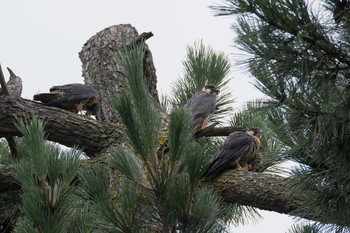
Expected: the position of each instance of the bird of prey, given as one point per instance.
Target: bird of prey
(202, 105)
(14, 85)
(73, 97)
(239, 149)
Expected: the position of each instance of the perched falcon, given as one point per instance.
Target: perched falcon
(202, 105)
(71, 97)
(237, 152)
(14, 85)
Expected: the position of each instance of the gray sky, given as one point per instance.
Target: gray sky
(40, 41)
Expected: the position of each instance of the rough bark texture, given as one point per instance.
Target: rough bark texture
(102, 69)
(262, 190)
(64, 127)
(5, 90)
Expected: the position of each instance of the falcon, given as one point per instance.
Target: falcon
(237, 152)
(73, 97)
(14, 85)
(202, 105)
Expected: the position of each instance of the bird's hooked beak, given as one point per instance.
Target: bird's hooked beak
(212, 89)
(216, 91)
(258, 133)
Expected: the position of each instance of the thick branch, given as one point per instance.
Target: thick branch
(63, 127)
(262, 190)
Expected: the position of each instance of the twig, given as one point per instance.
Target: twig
(139, 39)
(211, 131)
(142, 37)
(3, 83)
(10, 140)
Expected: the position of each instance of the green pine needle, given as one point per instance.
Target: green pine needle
(135, 105)
(123, 160)
(180, 133)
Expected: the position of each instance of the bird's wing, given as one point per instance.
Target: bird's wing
(236, 145)
(76, 89)
(74, 93)
(70, 88)
(201, 105)
(47, 97)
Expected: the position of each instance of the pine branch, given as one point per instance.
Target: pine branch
(316, 39)
(261, 190)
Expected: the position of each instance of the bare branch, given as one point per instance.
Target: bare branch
(3, 83)
(10, 140)
(211, 131)
(141, 38)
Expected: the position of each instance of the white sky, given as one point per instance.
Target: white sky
(40, 41)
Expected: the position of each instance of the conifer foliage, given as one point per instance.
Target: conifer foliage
(147, 184)
(298, 53)
(48, 197)
(169, 182)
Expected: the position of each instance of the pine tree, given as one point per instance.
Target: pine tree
(298, 53)
(155, 190)
(172, 198)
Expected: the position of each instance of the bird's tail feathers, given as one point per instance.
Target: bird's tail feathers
(46, 97)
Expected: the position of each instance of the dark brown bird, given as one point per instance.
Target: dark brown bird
(73, 97)
(237, 151)
(14, 85)
(202, 105)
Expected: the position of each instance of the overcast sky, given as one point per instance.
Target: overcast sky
(40, 41)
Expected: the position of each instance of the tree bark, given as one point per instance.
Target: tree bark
(61, 126)
(262, 190)
(102, 69)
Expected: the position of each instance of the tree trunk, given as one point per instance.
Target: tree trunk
(103, 70)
